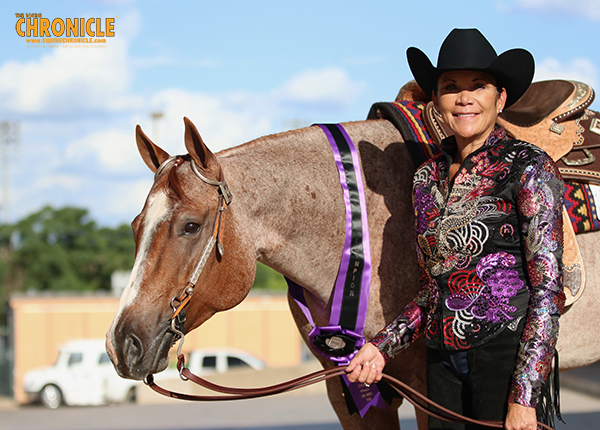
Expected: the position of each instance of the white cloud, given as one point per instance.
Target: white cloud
(586, 8)
(578, 69)
(128, 198)
(71, 183)
(220, 124)
(70, 79)
(115, 149)
(331, 86)
(223, 120)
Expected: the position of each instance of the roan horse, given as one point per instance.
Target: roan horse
(288, 213)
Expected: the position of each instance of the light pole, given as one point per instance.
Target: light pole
(10, 133)
(156, 116)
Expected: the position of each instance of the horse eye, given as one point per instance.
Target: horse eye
(191, 227)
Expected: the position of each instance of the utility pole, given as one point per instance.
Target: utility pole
(156, 116)
(10, 134)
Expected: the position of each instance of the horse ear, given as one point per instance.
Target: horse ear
(204, 159)
(152, 155)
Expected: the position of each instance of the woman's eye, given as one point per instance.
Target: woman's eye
(191, 227)
(451, 88)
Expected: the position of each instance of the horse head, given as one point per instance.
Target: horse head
(185, 213)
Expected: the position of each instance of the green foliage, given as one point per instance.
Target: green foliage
(268, 279)
(62, 250)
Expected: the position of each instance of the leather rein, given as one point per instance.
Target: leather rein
(418, 400)
(181, 300)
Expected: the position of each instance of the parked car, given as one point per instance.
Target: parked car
(205, 361)
(221, 360)
(81, 375)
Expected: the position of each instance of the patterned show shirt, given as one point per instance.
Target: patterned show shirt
(489, 247)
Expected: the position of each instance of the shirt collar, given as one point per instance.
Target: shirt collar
(448, 145)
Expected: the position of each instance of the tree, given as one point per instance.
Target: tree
(62, 250)
(268, 279)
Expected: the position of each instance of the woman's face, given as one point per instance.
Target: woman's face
(469, 103)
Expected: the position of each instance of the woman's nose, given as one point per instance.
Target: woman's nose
(464, 97)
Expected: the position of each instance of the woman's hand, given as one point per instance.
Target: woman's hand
(367, 365)
(520, 417)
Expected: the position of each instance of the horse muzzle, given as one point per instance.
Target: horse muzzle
(135, 356)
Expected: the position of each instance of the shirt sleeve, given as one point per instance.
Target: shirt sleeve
(539, 202)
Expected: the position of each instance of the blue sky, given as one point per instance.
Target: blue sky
(238, 70)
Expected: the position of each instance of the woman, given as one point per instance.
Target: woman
(489, 242)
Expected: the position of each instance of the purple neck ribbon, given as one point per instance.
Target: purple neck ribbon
(343, 337)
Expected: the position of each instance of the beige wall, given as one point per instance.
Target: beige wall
(261, 325)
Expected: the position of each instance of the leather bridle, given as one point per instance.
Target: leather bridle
(181, 300)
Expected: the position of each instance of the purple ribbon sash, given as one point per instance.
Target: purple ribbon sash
(351, 291)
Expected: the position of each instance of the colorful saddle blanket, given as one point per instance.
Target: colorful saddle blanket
(408, 118)
(581, 202)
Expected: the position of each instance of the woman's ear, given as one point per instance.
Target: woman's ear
(501, 100)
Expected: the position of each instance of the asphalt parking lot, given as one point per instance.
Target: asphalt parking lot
(298, 412)
(286, 412)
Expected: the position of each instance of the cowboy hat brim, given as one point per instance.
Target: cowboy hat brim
(512, 69)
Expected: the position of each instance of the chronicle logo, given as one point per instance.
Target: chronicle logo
(59, 30)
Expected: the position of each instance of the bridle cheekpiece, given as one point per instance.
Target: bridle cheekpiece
(181, 300)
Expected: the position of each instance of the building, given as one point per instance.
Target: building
(262, 325)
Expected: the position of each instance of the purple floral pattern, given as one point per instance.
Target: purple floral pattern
(501, 283)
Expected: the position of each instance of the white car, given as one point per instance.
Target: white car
(221, 360)
(82, 375)
(205, 361)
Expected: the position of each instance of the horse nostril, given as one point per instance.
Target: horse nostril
(133, 349)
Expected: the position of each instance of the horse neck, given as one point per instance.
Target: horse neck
(288, 205)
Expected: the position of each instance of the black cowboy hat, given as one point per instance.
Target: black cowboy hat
(468, 49)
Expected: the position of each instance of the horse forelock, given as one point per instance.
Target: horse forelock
(170, 182)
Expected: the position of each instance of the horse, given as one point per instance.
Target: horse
(288, 213)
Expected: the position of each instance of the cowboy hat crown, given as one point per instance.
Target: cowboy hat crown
(468, 49)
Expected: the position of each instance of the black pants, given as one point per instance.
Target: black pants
(474, 383)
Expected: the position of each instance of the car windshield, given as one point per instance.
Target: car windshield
(75, 357)
(209, 362)
(104, 358)
(236, 362)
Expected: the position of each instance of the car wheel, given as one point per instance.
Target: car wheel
(51, 396)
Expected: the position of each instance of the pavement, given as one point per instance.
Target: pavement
(580, 402)
(585, 380)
